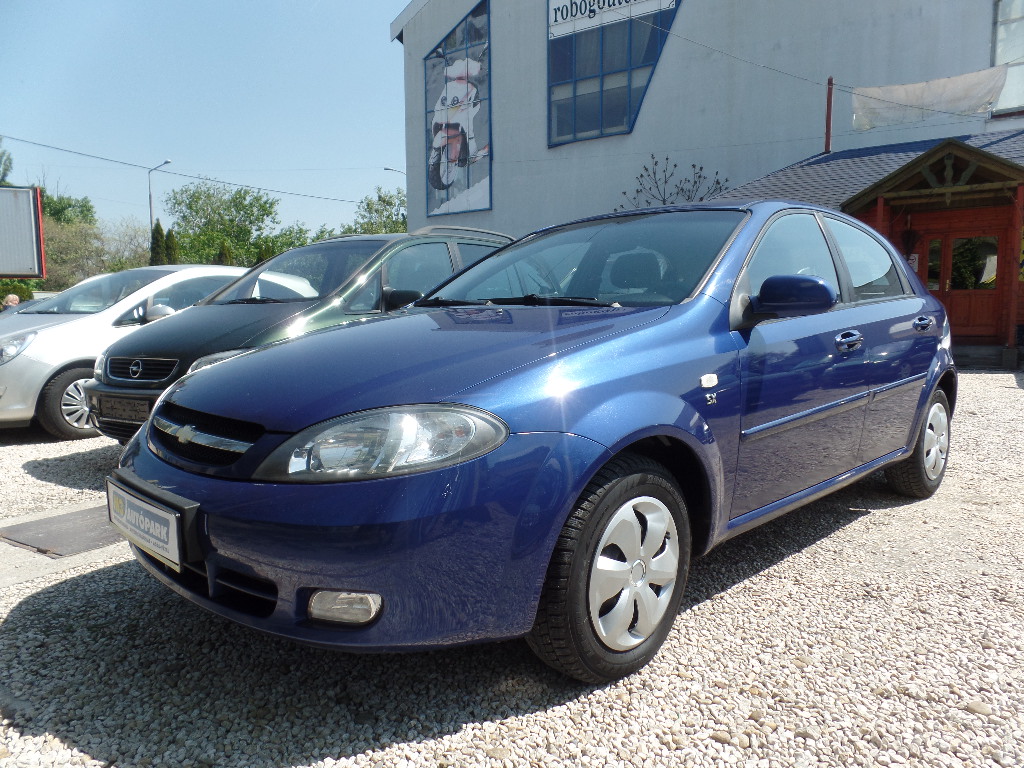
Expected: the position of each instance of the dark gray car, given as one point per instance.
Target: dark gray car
(303, 289)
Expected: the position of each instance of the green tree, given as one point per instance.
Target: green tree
(6, 164)
(378, 213)
(207, 214)
(224, 254)
(157, 246)
(125, 244)
(172, 253)
(65, 209)
(74, 251)
(267, 248)
(19, 288)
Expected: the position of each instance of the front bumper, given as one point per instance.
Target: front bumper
(458, 555)
(118, 412)
(21, 381)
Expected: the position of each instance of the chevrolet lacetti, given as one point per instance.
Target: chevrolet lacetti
(542, 445)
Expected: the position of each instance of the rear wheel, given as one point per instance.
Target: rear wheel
(921, 473)
(63, 407)
(617, 574)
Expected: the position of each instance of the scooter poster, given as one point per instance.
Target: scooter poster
(458, 120)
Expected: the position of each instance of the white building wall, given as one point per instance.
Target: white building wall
(739, 89)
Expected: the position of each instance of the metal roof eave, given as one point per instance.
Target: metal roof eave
(398, 25)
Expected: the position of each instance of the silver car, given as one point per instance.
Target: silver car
(48, 349)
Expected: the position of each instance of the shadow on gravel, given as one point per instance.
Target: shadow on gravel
(26, 436)
(114, 664)
(759, 549)
(82, 471)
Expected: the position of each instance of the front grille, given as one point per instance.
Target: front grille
(119, 430)
(140, 368)
(238, 591)
(201, 438)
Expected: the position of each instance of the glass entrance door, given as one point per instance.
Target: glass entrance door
(962, 273)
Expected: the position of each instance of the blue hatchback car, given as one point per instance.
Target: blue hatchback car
(541, 446)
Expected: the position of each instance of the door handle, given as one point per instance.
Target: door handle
(923, 323)
(849, 341)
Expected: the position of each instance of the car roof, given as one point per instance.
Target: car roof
(438, 231)
(180, 267)
(718, 204)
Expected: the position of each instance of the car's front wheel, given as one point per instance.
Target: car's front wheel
(921, 473)
(616, 578)
(63, 407)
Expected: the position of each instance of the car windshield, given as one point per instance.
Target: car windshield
(651, 259)
(301, 274)
(97, 293)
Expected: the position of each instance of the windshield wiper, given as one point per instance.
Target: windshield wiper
(536, 300)
(255, 300)
(441, 301)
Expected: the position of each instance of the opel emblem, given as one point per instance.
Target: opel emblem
(135, 368)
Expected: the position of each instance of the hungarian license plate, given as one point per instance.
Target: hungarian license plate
(148, 526)
(124, 409)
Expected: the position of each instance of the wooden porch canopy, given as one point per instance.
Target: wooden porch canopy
(952, 176)
(949, 175)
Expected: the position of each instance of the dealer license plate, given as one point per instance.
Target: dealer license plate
(148, 526)
(124, 409)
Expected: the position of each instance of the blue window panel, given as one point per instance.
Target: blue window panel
(597, 78)
(560, 60)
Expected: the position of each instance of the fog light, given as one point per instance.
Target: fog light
(344, 607)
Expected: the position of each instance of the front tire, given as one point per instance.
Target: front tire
(63, 407)
(616, 577)
(921, 473)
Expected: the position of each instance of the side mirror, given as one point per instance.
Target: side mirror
(158, 311)
(394, 298)
(794, 295)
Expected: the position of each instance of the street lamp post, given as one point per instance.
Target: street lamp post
(396, 171)
(149, 176)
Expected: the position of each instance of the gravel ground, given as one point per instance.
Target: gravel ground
(860, 630)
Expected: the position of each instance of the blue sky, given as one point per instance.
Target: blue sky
(294, 95)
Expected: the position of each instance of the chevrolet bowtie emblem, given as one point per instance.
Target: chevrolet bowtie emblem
(185, 433)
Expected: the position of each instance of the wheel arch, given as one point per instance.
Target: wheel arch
(949, 384)
(63, 367)
(701, 489)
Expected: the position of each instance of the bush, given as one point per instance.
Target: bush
(18, 287)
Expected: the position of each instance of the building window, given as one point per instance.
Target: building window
(597, 77)
(458, 118)
(1009, 50)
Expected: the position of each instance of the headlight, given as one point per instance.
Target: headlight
(216, 357)
(98, 366)
(12, 346)
(386, 442)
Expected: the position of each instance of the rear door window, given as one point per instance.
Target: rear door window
(419, 267)
(872, 271)
(471, 253)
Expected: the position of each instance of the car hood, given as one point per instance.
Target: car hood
(204, 329)
(419, 356)
(16, 322)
